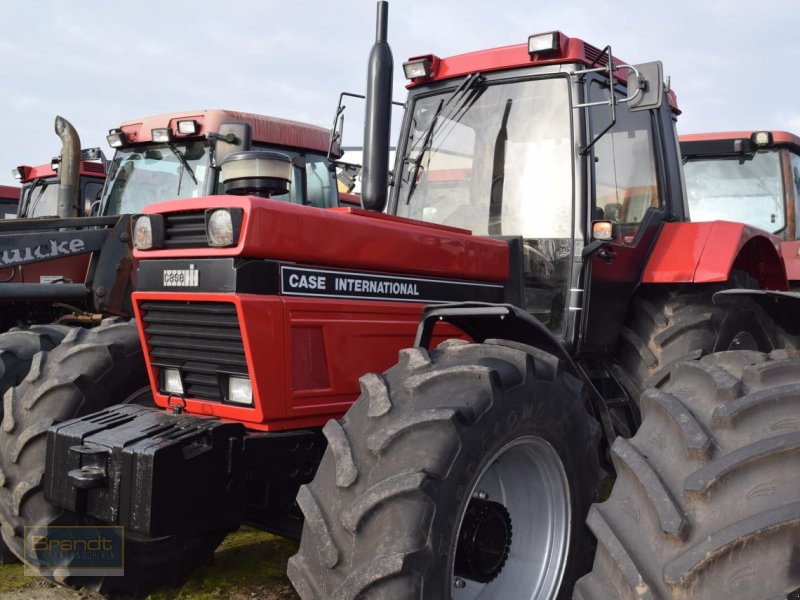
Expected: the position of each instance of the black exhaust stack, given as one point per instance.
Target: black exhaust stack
(377, 117)
(68, 169)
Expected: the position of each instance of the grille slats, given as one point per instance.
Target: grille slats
(185, 229)
(201, 339)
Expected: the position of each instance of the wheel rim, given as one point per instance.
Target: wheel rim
(528, 478)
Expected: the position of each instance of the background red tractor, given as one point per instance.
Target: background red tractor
(65, 273)
(467, 469)
(747, 176)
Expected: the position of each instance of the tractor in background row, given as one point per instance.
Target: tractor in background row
(747, 176)
(539, 187)
(39, 193)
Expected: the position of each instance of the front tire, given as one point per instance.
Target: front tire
(17, 349)
(705, 504)
(435, 458)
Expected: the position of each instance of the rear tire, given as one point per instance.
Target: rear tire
(705, 504)
(671, 324)
(436, 448)
(17, 349)
(90, 370)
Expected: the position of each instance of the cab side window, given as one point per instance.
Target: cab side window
(320, 182)
(625, 175)
(795, 164)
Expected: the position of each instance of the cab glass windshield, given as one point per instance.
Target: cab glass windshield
(496, 158)
(741, 189)
(40, 198)
(139, 176)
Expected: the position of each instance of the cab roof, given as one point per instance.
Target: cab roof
(570, 50)
(265, 129)
(695, 141)
(88, 168)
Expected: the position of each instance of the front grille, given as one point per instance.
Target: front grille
(185, 229)
(201, 339)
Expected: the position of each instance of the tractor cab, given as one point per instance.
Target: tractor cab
(526, 142)
(179, 155)
(39, 194)
(747, 176)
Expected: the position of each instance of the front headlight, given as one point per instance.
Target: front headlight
(143, 233)
(222, 226)
(240, 390)
(172, 381)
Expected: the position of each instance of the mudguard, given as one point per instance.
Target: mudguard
(709, 252)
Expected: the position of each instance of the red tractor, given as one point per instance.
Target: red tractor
(39, 195)
(538, 187)
(747, 176)
(60, 268)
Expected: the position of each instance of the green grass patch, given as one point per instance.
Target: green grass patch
(12, 578)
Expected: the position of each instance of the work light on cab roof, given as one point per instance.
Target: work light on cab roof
(116, 138)
(161, 135)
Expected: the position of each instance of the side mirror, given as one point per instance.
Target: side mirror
(605, 231)
(646, 86)
(233, 137)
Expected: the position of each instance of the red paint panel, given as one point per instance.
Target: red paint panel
(347, 238)
(706, 252)
(8, 192)
(791, 259)
(73, 268)
(309, 360)
(339, 339)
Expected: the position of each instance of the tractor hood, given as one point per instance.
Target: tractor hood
(339, 237)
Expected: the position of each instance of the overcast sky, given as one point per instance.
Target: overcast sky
(732, 62)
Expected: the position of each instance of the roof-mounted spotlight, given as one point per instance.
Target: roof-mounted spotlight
(161, 135)
(20, 173)
(116, 138)
(545, 43)
(762, 139)
(188, 127)
(421, 67)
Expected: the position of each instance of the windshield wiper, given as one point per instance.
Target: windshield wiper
(182, 160)
(462, 90)
(498, 175)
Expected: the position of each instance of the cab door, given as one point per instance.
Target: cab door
(627, 185)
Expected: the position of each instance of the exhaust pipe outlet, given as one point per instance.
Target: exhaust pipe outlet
(377, 117)
(68, 169)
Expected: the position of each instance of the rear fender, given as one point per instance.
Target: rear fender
(710, 252)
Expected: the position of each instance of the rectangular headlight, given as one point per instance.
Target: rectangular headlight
(172, 381)
(762, 138)
(116, 138)
(543, 42)
(188, 127)
(415, 69)
(162, 135)
(240, 390)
